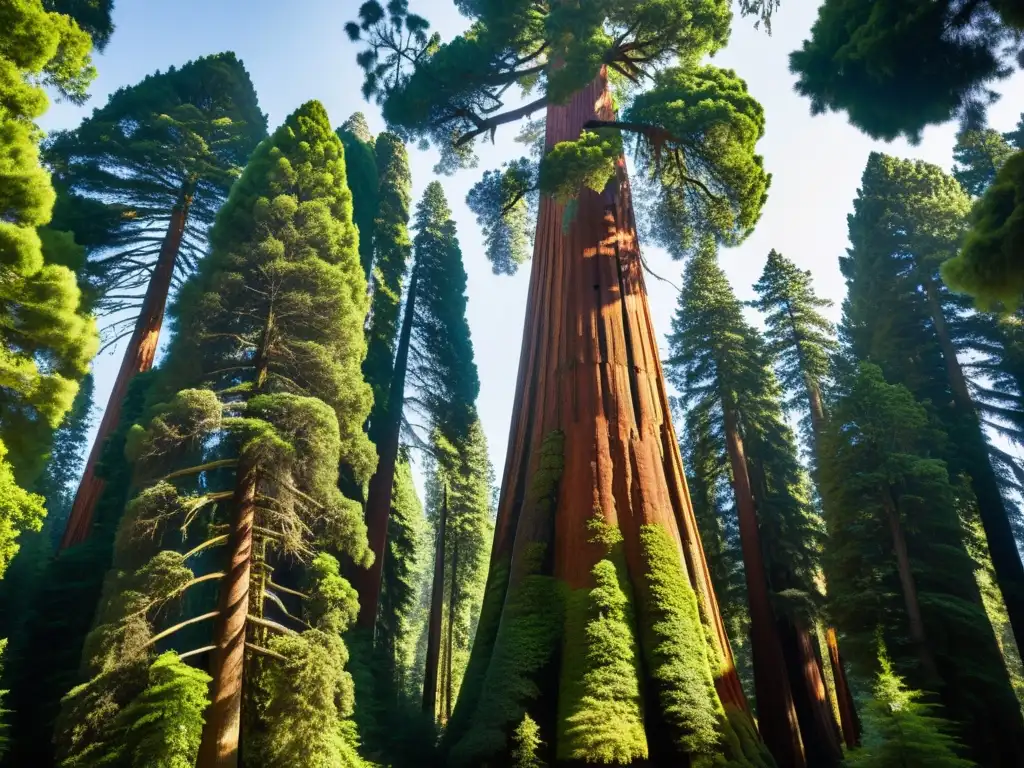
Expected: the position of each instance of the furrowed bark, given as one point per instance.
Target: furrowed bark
(991, 508)
(780, 728)
(138, 358)
(378, 498)
(436, 610)
(818, 728)
(589, 368)
(222, 729)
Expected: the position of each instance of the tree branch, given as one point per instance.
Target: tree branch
(491, 123)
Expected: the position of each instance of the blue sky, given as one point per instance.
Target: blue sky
(297, 50)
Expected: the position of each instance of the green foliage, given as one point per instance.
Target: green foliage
(601, 703)
(903, 732)
(979, 154)
(502, 202)
(19, 511)
(361, 170)
(526, 745)
(988, 265)
(696, 149)
(392, 249)
(93, 16)
(311, 699)
(163, 726)
(333, 604)
(589, 161)
(897, 67)
(175, 141)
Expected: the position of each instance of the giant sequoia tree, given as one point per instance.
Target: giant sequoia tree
(907, 219)
(722, 368)
(159, 157)
(595, 545)
(262, 399)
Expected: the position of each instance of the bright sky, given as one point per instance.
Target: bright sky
(297, 50)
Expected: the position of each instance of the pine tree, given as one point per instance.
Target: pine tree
(261, 402)
(592, 407)
(903, 732)
(361, 167)
(896, 561)
(162, 155)
(721, 366)
(979, 154)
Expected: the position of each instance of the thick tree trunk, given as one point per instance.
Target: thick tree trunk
(991, 507)
(847, 710)
(589, 368)
(908, 586)
(222, 729)
(776, 710)
(138, 358)
(452, 603)
(436, 614)
(378, 497)
(818, 728)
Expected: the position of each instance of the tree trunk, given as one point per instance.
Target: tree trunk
(138, 358)
(452, 599)
(378, 497)
(818, 728)
(991, 506)
(589, 368)
(436, 611)
(908, 586)
(222, 729)
(776, 710)
(847, 710)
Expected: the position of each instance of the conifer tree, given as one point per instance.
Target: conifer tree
(47, 341)
(907, 219)
(897, 563)
(722, 368)
(93, 16)
(593, 404)
(361, 167)
(979, 154)
(161, 155)
(902, 731)
(262, 400)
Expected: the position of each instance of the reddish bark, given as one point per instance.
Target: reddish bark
(138, 358)
(818, 728)
(589, 367)
(222, 729)
(847, 710)
(378, 496)
(436, 611)
(780, 728)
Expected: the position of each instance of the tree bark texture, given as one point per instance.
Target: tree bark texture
(138, 358)
(991, 507)
(378, 497)
(452, 602)
(780, 727)
(847, 710)
(436, 614)
(589, 368)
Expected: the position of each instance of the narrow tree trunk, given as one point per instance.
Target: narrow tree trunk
(378, 497)
(138, 358)
(436, 614)
(908, 586)
(222, 729)
(847, 710)
(776, 710)
(818, 728)
(452, 601)
(991, 506)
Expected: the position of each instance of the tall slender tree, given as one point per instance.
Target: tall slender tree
(163, 154)
(264, 399)
(591, 434)
(363, 181)
(897, 563)
(723, 370)
(907, 219)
